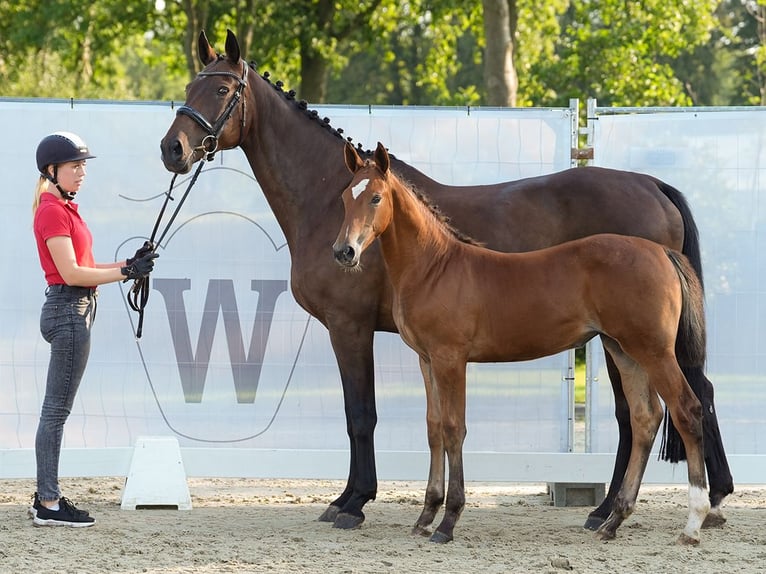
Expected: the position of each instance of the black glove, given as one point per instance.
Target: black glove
(145, 249)
(141, 267)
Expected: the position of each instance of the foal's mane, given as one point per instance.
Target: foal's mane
(442, 219)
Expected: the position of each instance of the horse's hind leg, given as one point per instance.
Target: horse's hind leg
(622, 413)
(719, 475)
(435, 488)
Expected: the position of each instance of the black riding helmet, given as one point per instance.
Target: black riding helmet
(58, 148)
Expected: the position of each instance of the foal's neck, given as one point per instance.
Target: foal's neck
(416, 238)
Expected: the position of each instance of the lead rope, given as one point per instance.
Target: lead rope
(138, 295)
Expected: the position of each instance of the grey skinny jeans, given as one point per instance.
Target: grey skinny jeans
(65, 322)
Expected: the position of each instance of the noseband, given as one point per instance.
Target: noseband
(210, 142)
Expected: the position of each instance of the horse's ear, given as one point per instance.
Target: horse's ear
(232, 47)
(381, 158)
(353, 161)
(205, 50)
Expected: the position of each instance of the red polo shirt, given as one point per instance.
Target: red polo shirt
(54, 218)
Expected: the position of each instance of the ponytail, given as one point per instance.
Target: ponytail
(42, 186)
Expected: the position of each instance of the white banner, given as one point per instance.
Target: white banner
(260, 371)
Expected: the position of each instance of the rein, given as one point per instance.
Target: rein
(138, 296)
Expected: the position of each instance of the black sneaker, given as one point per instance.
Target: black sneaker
(32, 510)
(67, 515)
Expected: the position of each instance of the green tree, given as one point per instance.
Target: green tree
(77, 48)
(622, 52)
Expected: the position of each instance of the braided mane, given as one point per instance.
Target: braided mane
(313, 115)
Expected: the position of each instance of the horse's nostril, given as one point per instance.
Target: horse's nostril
(177, 149)
(348, 253)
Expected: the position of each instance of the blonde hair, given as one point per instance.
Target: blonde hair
(42, 186)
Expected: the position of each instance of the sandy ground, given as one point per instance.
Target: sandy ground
(243, 526)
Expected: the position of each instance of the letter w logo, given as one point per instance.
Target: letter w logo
(192, 368)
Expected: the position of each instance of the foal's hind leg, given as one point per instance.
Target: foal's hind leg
(435, 488)
(625, 437)
(686, 411)
(645, 418)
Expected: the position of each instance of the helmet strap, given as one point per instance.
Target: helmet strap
(68, 195)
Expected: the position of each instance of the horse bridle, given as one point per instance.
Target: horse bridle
(209, 143)
(138, 295)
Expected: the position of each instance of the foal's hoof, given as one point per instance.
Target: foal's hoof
(330, 514)
(348, 521)
(440, 537)
(418, 530)
(714, 519)
(593, 523)
(684, 540)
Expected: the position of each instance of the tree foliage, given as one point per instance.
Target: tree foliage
(427, 52)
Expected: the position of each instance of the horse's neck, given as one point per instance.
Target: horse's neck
(415, 239)
(283, 148)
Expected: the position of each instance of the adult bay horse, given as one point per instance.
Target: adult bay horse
(634, 293)
(290, 148)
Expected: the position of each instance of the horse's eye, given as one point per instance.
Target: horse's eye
(223, 90)
(375, 199)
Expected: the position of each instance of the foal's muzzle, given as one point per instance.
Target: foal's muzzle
(345, 255)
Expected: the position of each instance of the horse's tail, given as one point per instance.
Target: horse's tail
(691, 245)
(692, 364)
(691, 338)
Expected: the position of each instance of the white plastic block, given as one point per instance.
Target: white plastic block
(156, 476)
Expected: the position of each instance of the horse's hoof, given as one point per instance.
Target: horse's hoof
(593, 523)
(714, 519)
(684, 540)
(440, 537)
(420, 531)
(348, 521)
(330, 514)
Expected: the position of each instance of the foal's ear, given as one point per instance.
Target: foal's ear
(205, 50)
(232, 47)
(353, 162)
(381, 158)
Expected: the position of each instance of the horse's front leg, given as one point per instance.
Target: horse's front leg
(450, 380)
(353, 351)
(435, 488)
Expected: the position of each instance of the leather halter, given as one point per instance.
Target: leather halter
(210, 142)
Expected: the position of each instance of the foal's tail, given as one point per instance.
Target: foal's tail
(692, 363)
(691, 341)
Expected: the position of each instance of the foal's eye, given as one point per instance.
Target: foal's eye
(375, 199)
(223, 90)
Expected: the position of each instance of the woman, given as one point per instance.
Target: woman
(64, 245)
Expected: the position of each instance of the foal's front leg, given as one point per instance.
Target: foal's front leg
(435, 488)
(450, 382)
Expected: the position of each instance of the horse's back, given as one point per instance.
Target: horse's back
(537, 212)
